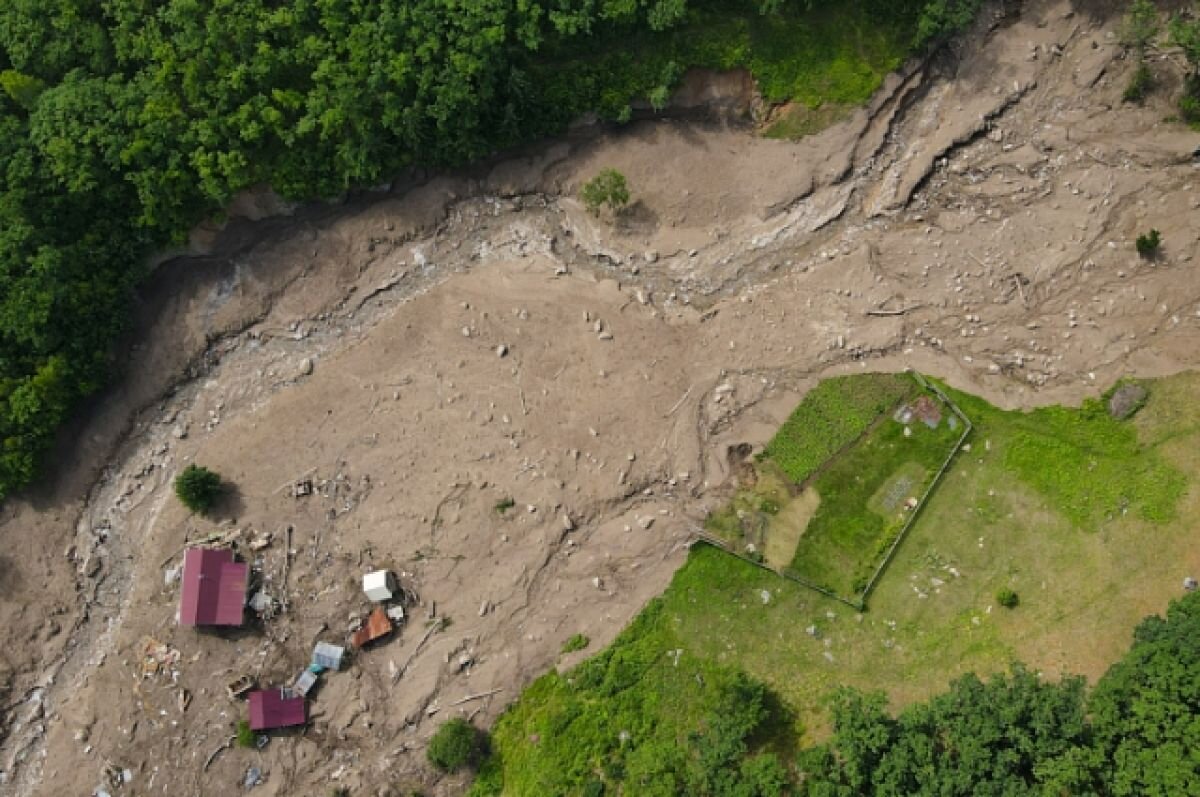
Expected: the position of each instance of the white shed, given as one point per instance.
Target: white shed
(380, 585)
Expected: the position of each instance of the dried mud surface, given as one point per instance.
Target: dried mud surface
(423, 352)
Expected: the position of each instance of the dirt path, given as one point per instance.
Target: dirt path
(426, 353)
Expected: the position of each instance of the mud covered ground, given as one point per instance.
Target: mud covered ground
(429, 349)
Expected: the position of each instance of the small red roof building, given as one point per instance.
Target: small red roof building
(214, 587)
(275, 708)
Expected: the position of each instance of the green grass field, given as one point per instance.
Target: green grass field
(1088, 519)
(831, 416)
(843, 445)
(851, 530)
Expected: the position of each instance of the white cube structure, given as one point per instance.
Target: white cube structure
(380, 585)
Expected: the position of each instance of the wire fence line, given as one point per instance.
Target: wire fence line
(912, 517)
(702, 536)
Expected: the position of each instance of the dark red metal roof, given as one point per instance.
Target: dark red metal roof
(270, 708)
(214, 587)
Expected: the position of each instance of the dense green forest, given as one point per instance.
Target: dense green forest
(1137, 733)
(125, 122)
(628, 722)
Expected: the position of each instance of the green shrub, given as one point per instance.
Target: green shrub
(198, 488)
(1140, 84)
(1007, 598)
(1189, 103)
(576, 642)
(245, 736)
(1148, 244)
(607, 189)
(504, 504)
(941, 19)
(1140, 26)
(23, 89)
(456, 744)
(1185, 34)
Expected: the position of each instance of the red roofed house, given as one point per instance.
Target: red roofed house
(214, 587)
(275, 708)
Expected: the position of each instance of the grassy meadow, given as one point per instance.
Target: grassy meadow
(828, 495)
(1088, 519)
(859, 517)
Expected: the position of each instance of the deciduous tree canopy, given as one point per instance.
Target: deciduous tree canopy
(1137, 733)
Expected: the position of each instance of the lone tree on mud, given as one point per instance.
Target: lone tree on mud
(606, 188)
(198, 488)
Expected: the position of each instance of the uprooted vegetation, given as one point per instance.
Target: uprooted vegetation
(1071, 508)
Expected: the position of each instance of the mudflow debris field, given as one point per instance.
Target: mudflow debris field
(425, 356)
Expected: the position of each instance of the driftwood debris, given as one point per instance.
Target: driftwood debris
(898, 311)
(679, 403)
(287, 566)
(213, 755)
(217, 537)
(408, 662)
(293, 482)
(469, 698)
(1017, 278)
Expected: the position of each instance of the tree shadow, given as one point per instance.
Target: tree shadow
(637, 219)
(10, 577)
(777, 732)
(252, 627)
(230, 504)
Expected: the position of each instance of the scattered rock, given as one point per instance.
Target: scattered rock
(1190, 584)
(306, 367)
(90, 567)
(501, 350)
(645, 522)
(253, 778)
(1126, 400)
